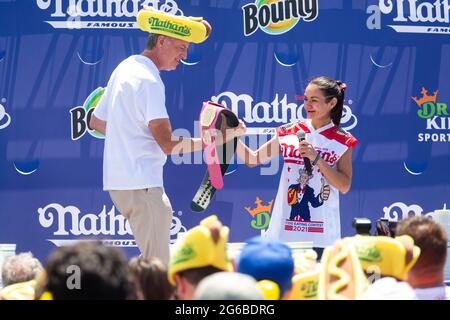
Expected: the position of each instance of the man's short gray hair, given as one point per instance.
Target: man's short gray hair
(20, 268)
(151, 41)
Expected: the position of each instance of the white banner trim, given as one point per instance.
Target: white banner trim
(109, 242)
(75, 24)
(421, 29)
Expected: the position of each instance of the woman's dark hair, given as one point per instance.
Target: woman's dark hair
(332, 89)
(93, 271)
(150, 278)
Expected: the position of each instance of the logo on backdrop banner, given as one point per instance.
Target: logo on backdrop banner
(260, 214)
(5, 118)
(90, 14)
(412, 16)
(69, 225)
(276, 17)
(80, 116)
(436, 115)
(276, 113)
(399, 211)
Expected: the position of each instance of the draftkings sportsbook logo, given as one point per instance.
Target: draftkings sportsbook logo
(412, 16)
(276, 17)
(260, 214)
(80, 116)
(101, 14)
(436, 115)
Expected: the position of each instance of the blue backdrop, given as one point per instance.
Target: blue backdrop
(56, 54)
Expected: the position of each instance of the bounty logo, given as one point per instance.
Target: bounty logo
(81, 116)
(412, 16)
(276, 17)
(436, 115)
(260, 214)
(100, 14)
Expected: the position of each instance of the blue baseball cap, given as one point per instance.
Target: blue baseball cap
(267, 259)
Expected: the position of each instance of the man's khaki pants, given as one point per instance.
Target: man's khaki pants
(149, 213)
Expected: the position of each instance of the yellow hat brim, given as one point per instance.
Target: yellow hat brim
(197, 249)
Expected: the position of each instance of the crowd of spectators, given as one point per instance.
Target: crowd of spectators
(409, 265)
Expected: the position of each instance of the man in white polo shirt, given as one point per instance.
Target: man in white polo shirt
(138, 136)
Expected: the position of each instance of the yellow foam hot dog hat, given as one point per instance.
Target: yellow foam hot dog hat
(305, 282)
(190, 29)
(386, 255)
(305, 286)
(341, 276)
(197, 249)
(19, 291)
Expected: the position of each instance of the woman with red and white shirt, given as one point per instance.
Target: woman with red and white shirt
(307, 203)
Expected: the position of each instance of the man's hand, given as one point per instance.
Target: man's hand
(97, 124)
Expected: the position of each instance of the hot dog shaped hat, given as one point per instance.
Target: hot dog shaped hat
(190, 29)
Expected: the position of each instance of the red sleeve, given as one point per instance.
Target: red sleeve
(351, 142)
(341, 136)
(291, 128)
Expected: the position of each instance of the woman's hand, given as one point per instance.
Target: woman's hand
(240, 130)
(307, 150)
(228, 134)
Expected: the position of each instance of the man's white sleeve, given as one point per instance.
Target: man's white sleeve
(101, 111)
(153, 102)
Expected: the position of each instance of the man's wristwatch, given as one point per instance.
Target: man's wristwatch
(316, 159)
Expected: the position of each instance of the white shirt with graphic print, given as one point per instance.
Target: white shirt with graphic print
(288, 221)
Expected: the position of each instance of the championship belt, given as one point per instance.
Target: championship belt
(214, 118)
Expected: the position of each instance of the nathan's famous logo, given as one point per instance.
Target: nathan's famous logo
(436, 115)
(185, 254)
(412, 16)
(278, 111)
(166, 25)
(277, 16)
(81, 116)
(368, 253)
(75, 14)
(69, 225)
(310, 289)
(260, 214)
